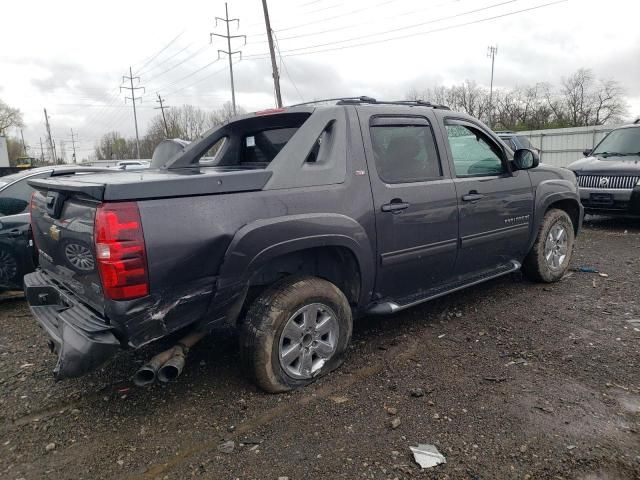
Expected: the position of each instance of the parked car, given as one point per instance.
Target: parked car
(132, 165)
(515, 141)
(16, 258)
(609, 176)
(303, 219)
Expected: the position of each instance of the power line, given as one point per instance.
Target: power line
(142, 72)
(133, 99)
(197, 81)
(286, 70)
(153, 57)
(406, 27)
(355, 25)
(199, 51)
(292, 52)
(229, 52)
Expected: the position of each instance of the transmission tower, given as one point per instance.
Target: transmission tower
(229, 52)
(133, 99)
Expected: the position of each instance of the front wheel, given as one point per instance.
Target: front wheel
(294, 332)
(550, 255)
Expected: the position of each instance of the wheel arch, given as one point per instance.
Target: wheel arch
(331, 246)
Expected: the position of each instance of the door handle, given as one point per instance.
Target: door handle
(472, 196)
(14, 233)
(395, 206)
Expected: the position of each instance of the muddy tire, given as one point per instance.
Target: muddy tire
(295, 332)
(550, 255)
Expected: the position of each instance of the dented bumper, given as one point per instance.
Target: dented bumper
(82, 340)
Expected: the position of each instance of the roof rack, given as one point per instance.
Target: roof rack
(372, 101)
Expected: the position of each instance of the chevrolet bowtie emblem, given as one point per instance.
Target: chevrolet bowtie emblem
(54, 233)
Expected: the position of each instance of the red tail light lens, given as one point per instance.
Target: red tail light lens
(120, 251)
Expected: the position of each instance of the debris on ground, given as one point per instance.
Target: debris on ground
(495, 379)
(50, 446)
(227, 447)
(427, 456)
(391, 410)
(338, 400)
(395, 422)
(417, 392)
(584, 269)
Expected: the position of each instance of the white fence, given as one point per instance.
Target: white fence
(561, 146)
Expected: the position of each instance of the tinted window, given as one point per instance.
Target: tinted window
(15, 198)
(473, 153)
(405, 153)
(262, 147)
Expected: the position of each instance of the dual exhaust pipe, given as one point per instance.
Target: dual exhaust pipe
(167, 366)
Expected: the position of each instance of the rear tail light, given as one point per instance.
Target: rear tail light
(120, 251)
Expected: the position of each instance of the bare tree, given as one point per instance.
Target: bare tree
(581, 100)
(9, 117)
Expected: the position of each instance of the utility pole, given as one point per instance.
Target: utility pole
(52, 145)
(73, 143)
(228, 52)
(41, 151)
(491, 53)
(161, 108)
(24, 147)
(274, 65)
(133, 99)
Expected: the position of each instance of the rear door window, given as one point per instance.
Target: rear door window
(404, 150)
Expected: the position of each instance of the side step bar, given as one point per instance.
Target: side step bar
(389, 307)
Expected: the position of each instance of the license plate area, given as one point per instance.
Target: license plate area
(601, 198)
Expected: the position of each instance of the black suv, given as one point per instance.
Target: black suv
(288, 224)
(609, 176)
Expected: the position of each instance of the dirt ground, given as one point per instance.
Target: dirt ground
(518, 380)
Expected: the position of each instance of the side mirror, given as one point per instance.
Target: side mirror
(587, 152)
(524, 159)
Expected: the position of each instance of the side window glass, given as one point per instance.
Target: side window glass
(474, 155)
(405, 153)
(15, 198)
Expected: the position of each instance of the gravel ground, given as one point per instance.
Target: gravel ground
(508, 379)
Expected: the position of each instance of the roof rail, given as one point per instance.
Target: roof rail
(372, 101)
(637, 121)
(338, 99)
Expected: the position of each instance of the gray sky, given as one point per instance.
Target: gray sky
(70, 55)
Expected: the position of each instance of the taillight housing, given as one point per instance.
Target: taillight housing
(120, 251)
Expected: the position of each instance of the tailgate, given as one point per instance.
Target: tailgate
(63, 224)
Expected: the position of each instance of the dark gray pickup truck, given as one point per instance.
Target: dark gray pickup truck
(289, 224)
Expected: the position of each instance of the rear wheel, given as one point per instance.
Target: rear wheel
(295, 332)
(550, 255)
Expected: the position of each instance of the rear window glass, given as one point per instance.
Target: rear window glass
(262, 147)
